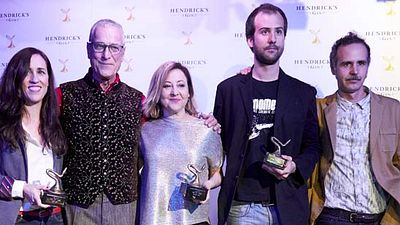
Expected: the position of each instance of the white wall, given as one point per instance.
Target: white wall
(205, 35)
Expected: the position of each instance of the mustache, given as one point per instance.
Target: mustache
(274, 47)
(357, 78)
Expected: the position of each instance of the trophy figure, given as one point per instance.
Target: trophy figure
(191, 188)
(55, 195)
(274, 159)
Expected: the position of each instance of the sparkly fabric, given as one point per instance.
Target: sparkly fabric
(102, 132)
(168, 146)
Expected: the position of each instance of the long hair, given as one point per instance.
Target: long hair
(152, 106)
(12, 104)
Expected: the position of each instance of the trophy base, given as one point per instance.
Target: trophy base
(53, 198)
(274, 161)
(193, 192)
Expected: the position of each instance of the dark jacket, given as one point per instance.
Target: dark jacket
(13, 166)
(295, 119)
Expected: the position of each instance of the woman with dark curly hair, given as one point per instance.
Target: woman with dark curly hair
(31, 139)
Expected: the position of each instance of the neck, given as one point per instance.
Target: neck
(177, 116)
(32, 112)
(353, 97)
(31, 120)
(266, 72)
(104, 82)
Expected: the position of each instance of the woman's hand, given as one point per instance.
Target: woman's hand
(207, 185)
(32, 194)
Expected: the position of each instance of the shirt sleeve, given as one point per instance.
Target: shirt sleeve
(18, 189)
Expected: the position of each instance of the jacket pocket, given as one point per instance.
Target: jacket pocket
(388, 139)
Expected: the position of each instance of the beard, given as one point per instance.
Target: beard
(265, 59)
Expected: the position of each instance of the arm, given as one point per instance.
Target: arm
(310, 145)
(213, 182)
(6, 186)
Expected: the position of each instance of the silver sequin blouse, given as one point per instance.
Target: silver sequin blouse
(167, 147)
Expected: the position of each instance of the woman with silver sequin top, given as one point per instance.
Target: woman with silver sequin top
(178, 151)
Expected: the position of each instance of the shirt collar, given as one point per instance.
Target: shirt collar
(362, 104)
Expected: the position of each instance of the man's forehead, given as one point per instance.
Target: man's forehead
(268, 20)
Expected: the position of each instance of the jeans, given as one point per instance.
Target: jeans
(249, 213)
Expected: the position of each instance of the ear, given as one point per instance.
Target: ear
(88, 50)
(250, 42)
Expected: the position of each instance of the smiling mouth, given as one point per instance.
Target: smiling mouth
(34, 89)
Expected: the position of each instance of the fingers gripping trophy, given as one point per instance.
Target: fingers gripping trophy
(191, 188)
(274, 159)
(55, 195)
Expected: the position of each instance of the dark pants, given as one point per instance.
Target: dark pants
(55, 219)
(102, 212)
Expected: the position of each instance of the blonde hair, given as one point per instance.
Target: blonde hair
(152, 106)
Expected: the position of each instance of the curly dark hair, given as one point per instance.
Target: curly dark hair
(12, 104)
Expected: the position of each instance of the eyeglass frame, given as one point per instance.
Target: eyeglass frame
(105, 46)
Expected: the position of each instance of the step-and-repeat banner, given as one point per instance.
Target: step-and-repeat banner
(205, 35)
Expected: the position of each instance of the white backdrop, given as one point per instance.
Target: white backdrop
(205, 35)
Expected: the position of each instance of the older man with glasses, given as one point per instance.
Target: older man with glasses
(101, 116)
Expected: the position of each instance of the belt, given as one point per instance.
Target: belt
(40, 213)
(353, 217)
(263, 203)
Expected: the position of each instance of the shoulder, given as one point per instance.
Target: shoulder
(71, 83)
(149, 125)
(131, 89)
(233, 80)
(386, 101)
(300, 85)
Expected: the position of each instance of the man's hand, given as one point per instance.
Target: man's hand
(245, 71)
(32, 193)
(290, 167)
(210, 121)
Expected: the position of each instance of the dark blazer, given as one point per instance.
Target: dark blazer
(384, 148)
(295, 119)
(13, 166)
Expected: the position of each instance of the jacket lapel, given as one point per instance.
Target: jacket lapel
(246, 94)
(282, 99)
(376, 112)
(330, 116)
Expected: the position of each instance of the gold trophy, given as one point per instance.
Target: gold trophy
(191, 188)
(275, 159)
(55, 195)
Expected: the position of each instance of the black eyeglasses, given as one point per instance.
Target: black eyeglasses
(100, 47)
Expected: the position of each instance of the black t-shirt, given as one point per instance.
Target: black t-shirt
(256, 184)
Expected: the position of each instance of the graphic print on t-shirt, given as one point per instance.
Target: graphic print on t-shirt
(263, 115)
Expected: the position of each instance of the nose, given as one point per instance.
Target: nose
(174, 91)
(106, 52)
(33, 77)
(354, 69)
(271, 37)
